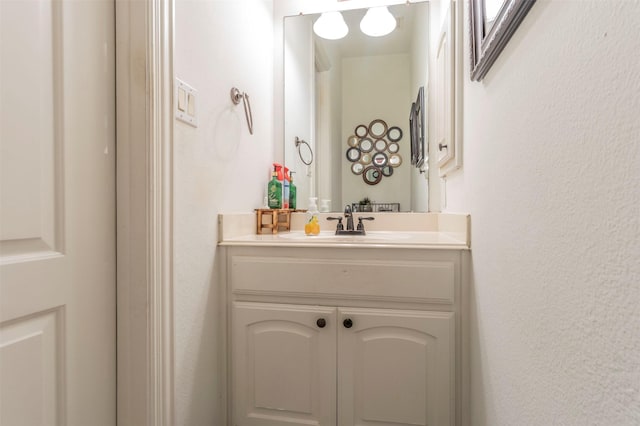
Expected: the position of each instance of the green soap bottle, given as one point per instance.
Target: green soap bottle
(292, 192)
(274, 191)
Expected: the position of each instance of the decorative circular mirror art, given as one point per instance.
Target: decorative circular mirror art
(379, 159)
(366, 145)
(361, 131)
(372, 175)
(353, 154)
(353, 141)
(380, 145)
(378, 128)
(395, 160)
(394, 134)
(373, 150)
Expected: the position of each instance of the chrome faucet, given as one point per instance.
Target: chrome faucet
(349, 216)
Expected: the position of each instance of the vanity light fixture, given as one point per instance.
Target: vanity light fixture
(378, 22)
(331, 25)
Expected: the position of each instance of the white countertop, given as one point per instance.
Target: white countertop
(438, 231)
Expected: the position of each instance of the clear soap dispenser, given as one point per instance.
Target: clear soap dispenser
(312, 227)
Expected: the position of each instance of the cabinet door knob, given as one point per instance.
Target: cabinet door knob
(321, 322)
(348, 323)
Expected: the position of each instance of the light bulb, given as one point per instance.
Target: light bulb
(377, 22)
(331, 25)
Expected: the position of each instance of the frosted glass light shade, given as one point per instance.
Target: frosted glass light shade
(377, 22)
(330, 25)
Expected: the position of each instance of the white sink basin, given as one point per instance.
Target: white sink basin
(329, 236)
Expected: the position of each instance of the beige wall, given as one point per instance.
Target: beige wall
(390, 101)
(551, 178)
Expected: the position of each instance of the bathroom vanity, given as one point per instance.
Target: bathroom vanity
(343, 330)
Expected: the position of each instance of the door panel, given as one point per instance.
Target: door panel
(57, 213)
(31, 128)
(30, 367)
(283, 365)
(395, 368)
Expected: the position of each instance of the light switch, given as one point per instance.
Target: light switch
(191, 104)
(182, 95)
(186, 103)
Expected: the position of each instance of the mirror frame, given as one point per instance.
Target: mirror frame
(391, 162)
(486, 47)
(375, 124)
(365, 145)
(376, 179)
(394, 130)
(355, 152)
(358, 132)
(357, 168)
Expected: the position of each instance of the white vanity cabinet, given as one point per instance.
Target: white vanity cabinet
(283, 364)
(395, 367)
(344, 336)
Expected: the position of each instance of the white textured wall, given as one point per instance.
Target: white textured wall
(551, 178)
(218, 167)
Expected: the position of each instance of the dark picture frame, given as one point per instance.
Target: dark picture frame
(417, 127)
(489, 39)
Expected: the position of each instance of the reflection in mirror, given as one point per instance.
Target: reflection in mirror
(378, 128)
(304, 152)
(362, 86)
(353, 141)
(394, 134)
(372, 175)
(387, 171)
(380, 145)
(395, 160)
(361, 131)
(380, 159)
(353, 154)
(357, 168)
(366, 145)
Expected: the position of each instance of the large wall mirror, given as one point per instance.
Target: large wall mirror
(331, 87)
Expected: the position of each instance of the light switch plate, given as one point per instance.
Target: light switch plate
(186, 105)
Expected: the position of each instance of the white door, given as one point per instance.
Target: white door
(284, 365)
(395, 367)
(57, 213)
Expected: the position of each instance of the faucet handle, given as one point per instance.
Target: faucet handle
(360, 219)
(339, 226)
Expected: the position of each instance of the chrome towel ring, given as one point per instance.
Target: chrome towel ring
(236, 97)
(304, 151)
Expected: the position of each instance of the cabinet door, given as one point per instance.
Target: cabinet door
(395, 367)
(283, 365)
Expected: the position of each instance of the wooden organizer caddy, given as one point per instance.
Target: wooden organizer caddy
(279, 219)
